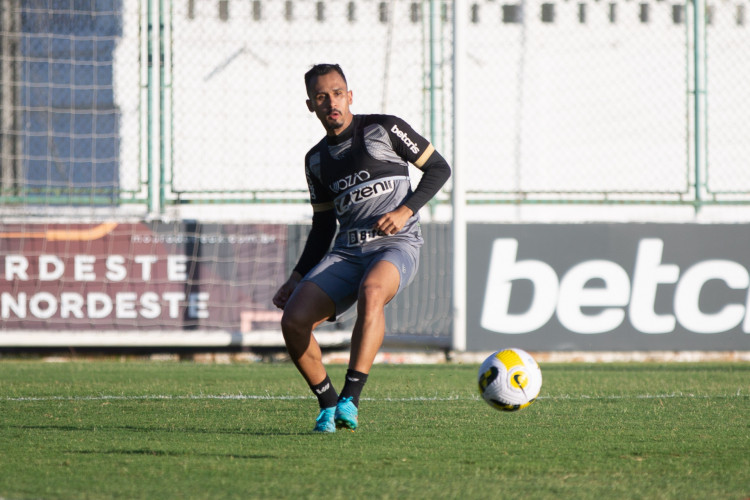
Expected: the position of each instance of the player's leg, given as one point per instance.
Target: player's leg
(327, 291)
(378, 287)
(390, 272)
(307, 308)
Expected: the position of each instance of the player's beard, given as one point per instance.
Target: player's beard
(335, 123)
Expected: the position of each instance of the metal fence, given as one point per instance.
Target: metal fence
(158, 103)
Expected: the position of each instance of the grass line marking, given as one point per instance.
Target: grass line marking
(271, 397)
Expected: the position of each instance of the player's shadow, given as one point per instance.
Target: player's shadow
(164, 453)
(142, 429)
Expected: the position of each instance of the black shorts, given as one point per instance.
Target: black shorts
(340, 273)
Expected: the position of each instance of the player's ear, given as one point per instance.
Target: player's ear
(350, 97)
(310, 105)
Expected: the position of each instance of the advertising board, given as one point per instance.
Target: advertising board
(140, 276)
(609, 286)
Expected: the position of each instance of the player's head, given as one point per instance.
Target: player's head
(329, 97)
(319, 70)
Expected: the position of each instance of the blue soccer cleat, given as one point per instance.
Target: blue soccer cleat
(324, 422)
(346, 414)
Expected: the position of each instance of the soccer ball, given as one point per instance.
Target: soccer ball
(510, 379)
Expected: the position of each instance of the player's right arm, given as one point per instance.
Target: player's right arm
(318, 241)
(317, 245)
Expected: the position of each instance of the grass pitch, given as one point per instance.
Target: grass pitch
(83, 430)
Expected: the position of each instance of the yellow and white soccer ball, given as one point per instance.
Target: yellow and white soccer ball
(510, 379)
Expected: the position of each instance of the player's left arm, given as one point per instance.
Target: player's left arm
(435, 172)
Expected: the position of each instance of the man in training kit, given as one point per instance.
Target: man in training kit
(358, 175)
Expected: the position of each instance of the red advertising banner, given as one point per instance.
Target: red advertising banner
(112, 276)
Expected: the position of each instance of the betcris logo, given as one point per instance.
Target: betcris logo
(405, 139)
(601, 309)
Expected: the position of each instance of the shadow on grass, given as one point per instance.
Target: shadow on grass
(162, 453)
(98, 428)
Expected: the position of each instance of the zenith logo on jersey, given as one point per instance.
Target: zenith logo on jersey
(405, 139)
(363, 193)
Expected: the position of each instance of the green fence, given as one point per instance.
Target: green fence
(154, 104)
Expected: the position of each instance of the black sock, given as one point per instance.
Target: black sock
(355, 381)
(325, 392)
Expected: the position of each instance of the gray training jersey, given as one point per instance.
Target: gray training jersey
(364, 174)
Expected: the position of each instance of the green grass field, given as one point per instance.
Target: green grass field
(109, 429)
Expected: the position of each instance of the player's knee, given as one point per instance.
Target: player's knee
(374, 294)
(293, 325)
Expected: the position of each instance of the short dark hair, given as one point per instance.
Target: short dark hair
(320, 70)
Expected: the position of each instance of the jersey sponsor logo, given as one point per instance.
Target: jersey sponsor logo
(357, 237)
(363, 193)
(350, 180)
(405, 139)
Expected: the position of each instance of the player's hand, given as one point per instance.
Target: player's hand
(285, 291)
(393, 222)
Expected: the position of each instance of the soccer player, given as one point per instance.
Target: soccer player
(358, 176)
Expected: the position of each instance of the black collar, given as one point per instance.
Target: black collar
(347, 134)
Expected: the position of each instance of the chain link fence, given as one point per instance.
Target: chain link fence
(727, 67)
(238, 90)
(162, 103)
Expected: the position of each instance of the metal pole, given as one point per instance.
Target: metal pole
(699, 96)
(458, 193)
(166, 102)
(144, 152)
(154, 136)
(10, 142)
(433, 70)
